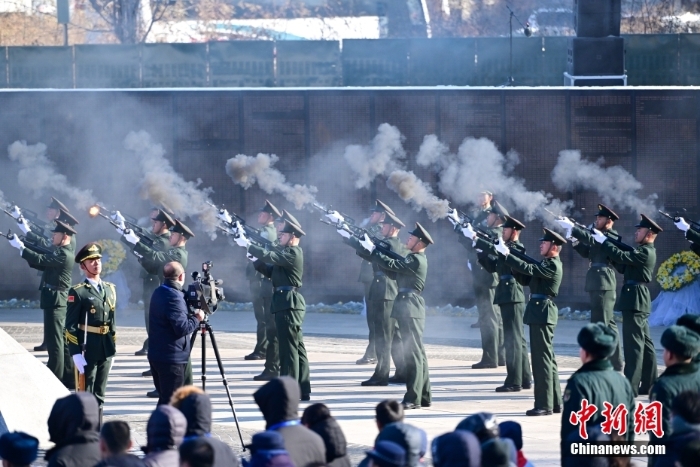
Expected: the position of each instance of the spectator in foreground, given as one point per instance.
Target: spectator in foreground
(691, 322)
(456, 449)
(387, 454)
(389, 418)
(685, 420)
(496, 452)
(73, 428)
(267, 450)
(513, 431)
(165, 431)
(484, 425)
(689, 455)
(317, 418)
(197, 452)
(115, 442)
(18, 449)
(388, 411)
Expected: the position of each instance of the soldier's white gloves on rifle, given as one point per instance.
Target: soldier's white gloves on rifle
(237, 228)
(23, 225)
(681, 224)
(469, 232)
(16, 212)
(335, 217)
(565, 224)
(599, 236)
(453, 217)
(79, 362)
(241, 240)
(131, 237)
(251, 257)
(17, 243)
(367, 244)
(117, 217)
(344, 233)
(224, 216)
(501, 247)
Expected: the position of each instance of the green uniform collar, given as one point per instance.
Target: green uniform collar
(681, 369)
(601, 364)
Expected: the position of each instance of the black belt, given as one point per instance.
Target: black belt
(539, 296)
(600, 265)
(286, 288)
(409, 290)
(56, 288)
(507, 277)
(379, 274)
(630, 282)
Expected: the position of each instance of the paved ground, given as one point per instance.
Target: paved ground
(334, 343)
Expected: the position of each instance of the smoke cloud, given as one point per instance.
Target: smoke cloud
(38, 174)
(413, 190)
(614, 185)
(163, 186)
(381, 157)
(247, 170)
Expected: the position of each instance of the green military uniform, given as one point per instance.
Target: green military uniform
(409, 311)
(693, 235)
(600, 278)
(96, 306)
(510, 298)
(57, 270)
(597, 382)
(286, 268)
(635, 304)
(541, 315)
(261, 292)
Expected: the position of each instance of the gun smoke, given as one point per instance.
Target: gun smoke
(615, 185)
(38, 174)
(247, 171)
(381, 157)
(163, 186)
(413, 190)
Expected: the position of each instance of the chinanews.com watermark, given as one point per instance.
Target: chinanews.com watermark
(612, 448)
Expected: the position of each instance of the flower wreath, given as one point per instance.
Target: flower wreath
(113, 253)
(679, 270)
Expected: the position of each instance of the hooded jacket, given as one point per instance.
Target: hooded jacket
(334, 441)
(278, 401)
(165, 430)
(197, 410)
(73, 428)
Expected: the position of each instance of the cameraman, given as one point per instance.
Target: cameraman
(170, 329)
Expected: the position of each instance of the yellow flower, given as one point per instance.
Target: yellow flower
(672, 282)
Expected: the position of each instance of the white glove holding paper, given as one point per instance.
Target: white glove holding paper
(502, 248)
(224, 216)
(367, 244)
(131, 237)
(23, 225)
(469, 232)
(335, 217)
(79, 362)
(682, 224)
(17, 243)
(599, 236)
(344, 233)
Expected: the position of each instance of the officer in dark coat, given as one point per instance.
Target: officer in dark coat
(57, 270)
(600, 278)
(261, 286)
(409, 311)
(596, 381)
(635, 302)
(691, 322)
(542, 314)
(511, 301)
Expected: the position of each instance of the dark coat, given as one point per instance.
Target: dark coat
(122, 460)
(279, 402)
(675, 380)
(73, 429)
(334, 440)
(170, 326)
(165, 430)
(680, 437)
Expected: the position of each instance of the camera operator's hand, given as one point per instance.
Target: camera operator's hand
(16, 212)
(199, 314)
(79, 362)
(131, 237)
(23, 225)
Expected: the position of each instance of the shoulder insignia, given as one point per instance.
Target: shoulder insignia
(567, 395)
(71, 298)
(409, 259)
(171, 251)
(77, 286)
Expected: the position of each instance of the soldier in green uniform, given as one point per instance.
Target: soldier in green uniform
(261, 286)
(635, 302)
(596, 381)
(485, 282)
(479, 215)
(691, 322)
(57, 269)
(600, 278)
(541, 315)
(285, 266)
(90, 322)
(691, 234)
(511, 301)
(681, 345)
(409, 311)
(380, 303)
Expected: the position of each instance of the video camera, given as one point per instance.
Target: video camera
(205, 292)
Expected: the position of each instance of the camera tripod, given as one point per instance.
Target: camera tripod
(204, 328)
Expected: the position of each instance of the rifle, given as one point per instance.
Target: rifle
(29, 244)
(381, 246)
(677, 217)
(32, 219)
(145, 236)
(614, 238)
(480, 231)
(253, 234)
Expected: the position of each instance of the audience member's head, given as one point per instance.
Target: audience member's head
(195, 405)
(689, 455)
(412, 439)
(494, 453)
(267, 450)
(18, 449)
(512, 430)
(73, 414)
(165, 430)
(196, 452)
(456, 449)
(690, 321)
(680, 345)
(388, 411)
(387, 454)
(483, 424)
(115, 438)
(597, 341)
(315, 413)
(278, 400)
(686, 406)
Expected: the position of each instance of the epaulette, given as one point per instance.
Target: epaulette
(77, 286)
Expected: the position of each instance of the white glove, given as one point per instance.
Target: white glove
(599, 236)
(367, 244)
(469, 265)
(23, 225)
(501, 247)
(565, 223)
(469, 232)
(117, 217)
(682, 224)
(224, 216)
(131, 237)
(17, 243)
(237, 228)
(574, 241)
(16, 212)
(251, 257)
(335, 217)
(79, 362)
(344, 233)
(241, 240)
(453, 217)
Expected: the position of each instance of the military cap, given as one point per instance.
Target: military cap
(498, 209)
(293, 228)
(271, 209)
(182, 229)
(166, 208)
(681, 341)
(391, 218)
(56, 204)
(649, 224)
(422, 234)
(62, 227)
(597, 339)
(163, 216)
(380, 206)
(551, 236)
(18, 448)
(66, 218)
(486, 192)
(90, 251)
(690, 321)
(513, 223)
(604, 211)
